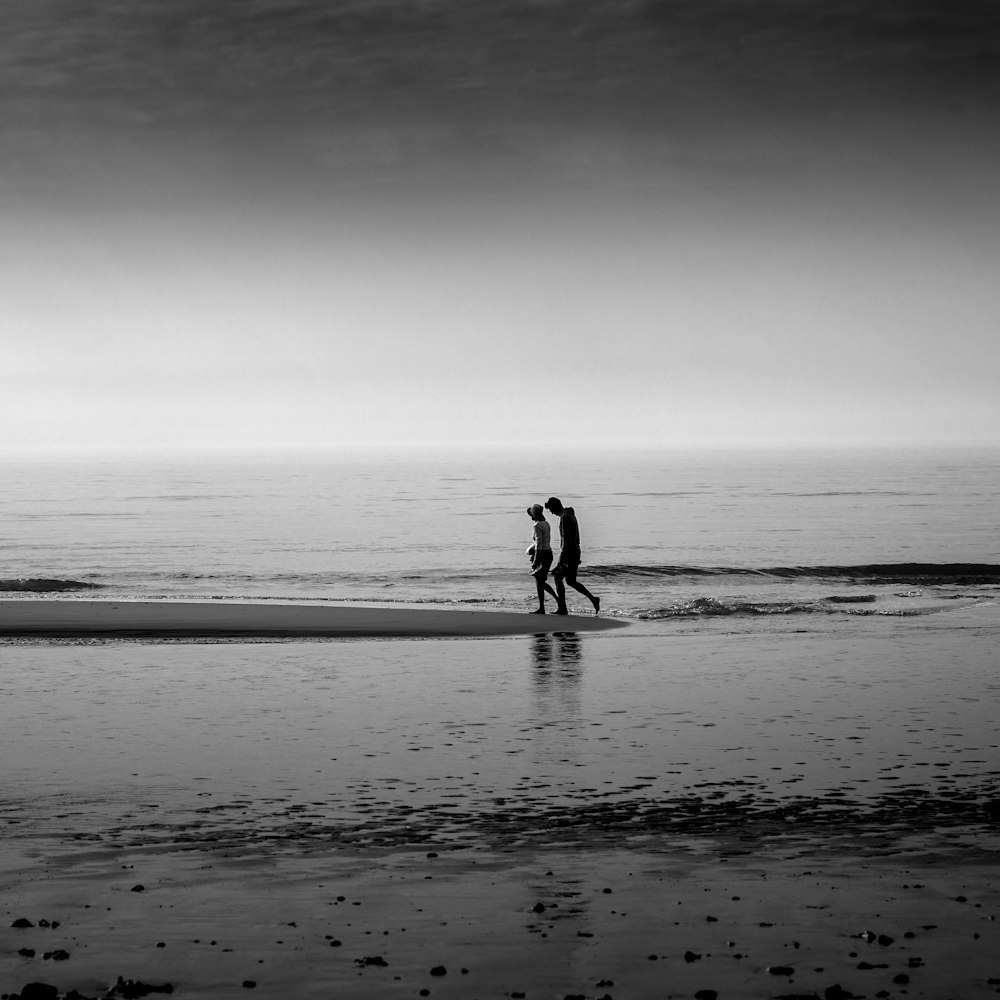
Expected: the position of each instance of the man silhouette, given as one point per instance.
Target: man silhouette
(569, 556)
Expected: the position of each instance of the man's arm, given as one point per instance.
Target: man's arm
(570, 535)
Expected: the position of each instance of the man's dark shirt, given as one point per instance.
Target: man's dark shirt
(569, 537)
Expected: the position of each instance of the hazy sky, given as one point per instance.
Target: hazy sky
(291, 223)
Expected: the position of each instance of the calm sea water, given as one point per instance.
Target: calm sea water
(665, 535)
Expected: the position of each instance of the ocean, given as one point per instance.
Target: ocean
(667, 536)
(793, 743)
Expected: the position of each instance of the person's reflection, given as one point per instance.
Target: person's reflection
(568, 651)
(557, 659)
(559, 649)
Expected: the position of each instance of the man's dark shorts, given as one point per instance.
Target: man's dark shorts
(542, 562)
(566, 569)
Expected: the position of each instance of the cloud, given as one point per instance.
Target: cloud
(505, 91)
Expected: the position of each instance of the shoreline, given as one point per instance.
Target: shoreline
(42, 618)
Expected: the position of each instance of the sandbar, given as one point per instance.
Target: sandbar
(237, 619)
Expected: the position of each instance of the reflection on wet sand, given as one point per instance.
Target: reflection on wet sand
(556, 680)
(561, 648)
(557, 659)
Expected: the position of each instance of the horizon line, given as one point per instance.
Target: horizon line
(386, 449)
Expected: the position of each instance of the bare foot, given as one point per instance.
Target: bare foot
(597, 605)
(561, 611)
(538, 611)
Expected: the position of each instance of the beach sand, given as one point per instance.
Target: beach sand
(718, 811)
(236, 619)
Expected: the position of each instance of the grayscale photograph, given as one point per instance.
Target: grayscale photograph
(499, 499)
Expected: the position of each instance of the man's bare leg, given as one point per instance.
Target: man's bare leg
(580, 588)
(560, 595)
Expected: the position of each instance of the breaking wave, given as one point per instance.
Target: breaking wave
(41, 585)
(917, 573)
(715, 607)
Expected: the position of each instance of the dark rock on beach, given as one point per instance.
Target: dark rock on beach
(37, 991)
(837, 992)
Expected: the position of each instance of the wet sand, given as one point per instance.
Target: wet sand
(234, 619)
(591, 923)
(635, 813)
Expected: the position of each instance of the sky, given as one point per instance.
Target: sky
(517, 224)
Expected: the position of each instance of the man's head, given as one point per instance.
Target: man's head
(554, 504)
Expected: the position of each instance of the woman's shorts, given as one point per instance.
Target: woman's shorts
(542, 562)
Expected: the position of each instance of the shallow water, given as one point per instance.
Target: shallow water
(403, 742)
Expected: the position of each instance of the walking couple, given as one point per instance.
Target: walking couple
(540, 552)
